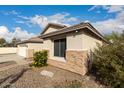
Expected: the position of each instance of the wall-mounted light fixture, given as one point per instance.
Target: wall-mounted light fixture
(76, 31)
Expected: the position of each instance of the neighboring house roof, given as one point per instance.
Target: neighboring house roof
(74, 28)
(54, 25)
(32, 40)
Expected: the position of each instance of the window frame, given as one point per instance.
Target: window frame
(60, 47)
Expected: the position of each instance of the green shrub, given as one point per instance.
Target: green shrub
(40, 58)
(108, 64)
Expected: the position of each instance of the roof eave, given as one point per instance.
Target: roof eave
(23, 42)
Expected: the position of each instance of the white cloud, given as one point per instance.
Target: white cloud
(24, 17)
(4, 33)
(22, 34)
(18, 33)
(39, 20)
(24, 22)
(107, 26)
(20, 21)
(93, 7)
(13, 12)
(61, 18)
(42, 21)
(115, 8)
(98, 7)
(3, 30)
(109, 8)
(112, 24)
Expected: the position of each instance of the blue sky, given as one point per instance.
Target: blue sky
(26, 21)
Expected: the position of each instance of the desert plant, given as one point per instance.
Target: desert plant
(108, 63)
(40, 58)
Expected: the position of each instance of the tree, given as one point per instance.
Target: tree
(15, 41)
(113, 36)
(2, 42)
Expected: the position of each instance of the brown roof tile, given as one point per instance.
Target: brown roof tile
(32, 40)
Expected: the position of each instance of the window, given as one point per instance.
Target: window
(59, 47)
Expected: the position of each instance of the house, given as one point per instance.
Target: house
(26, 48)
(69, 47)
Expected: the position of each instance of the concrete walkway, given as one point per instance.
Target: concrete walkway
(12, 57)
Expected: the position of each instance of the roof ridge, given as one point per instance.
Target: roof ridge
(55, 24)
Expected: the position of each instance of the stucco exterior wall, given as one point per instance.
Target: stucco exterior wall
(35, 46)
(89, 42)
(27, 50)
(74, 41)
(7, 50)
(82, 41)
(22, 49)
(29, 53)
(77, 41)
(50, 29)
(49, 45)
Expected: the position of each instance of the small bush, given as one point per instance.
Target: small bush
(108, 64)
(40, 58)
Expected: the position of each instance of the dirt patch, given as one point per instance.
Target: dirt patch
(7, 63)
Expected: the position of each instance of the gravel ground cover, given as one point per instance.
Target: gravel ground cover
(9, 72)
(62, 78)
(7, 63)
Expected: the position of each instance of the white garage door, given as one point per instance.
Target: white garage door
(22, 51)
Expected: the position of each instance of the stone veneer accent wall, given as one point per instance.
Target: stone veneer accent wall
(76, 61)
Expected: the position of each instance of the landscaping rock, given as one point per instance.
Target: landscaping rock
(7, 80)
(47, 73)
(54, 77)
(7, 63)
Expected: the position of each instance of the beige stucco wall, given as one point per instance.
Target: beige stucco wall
(7, 50)
(48, 45)
(50, 29)
(78, 41)
(82, 41)
(27, 50)
(35, 46)
(21, 51)
(90, 42)
(74, 41)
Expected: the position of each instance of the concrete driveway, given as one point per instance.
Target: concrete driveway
(12, 57)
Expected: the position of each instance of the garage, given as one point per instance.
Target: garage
(22, 50)
(26, 48)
